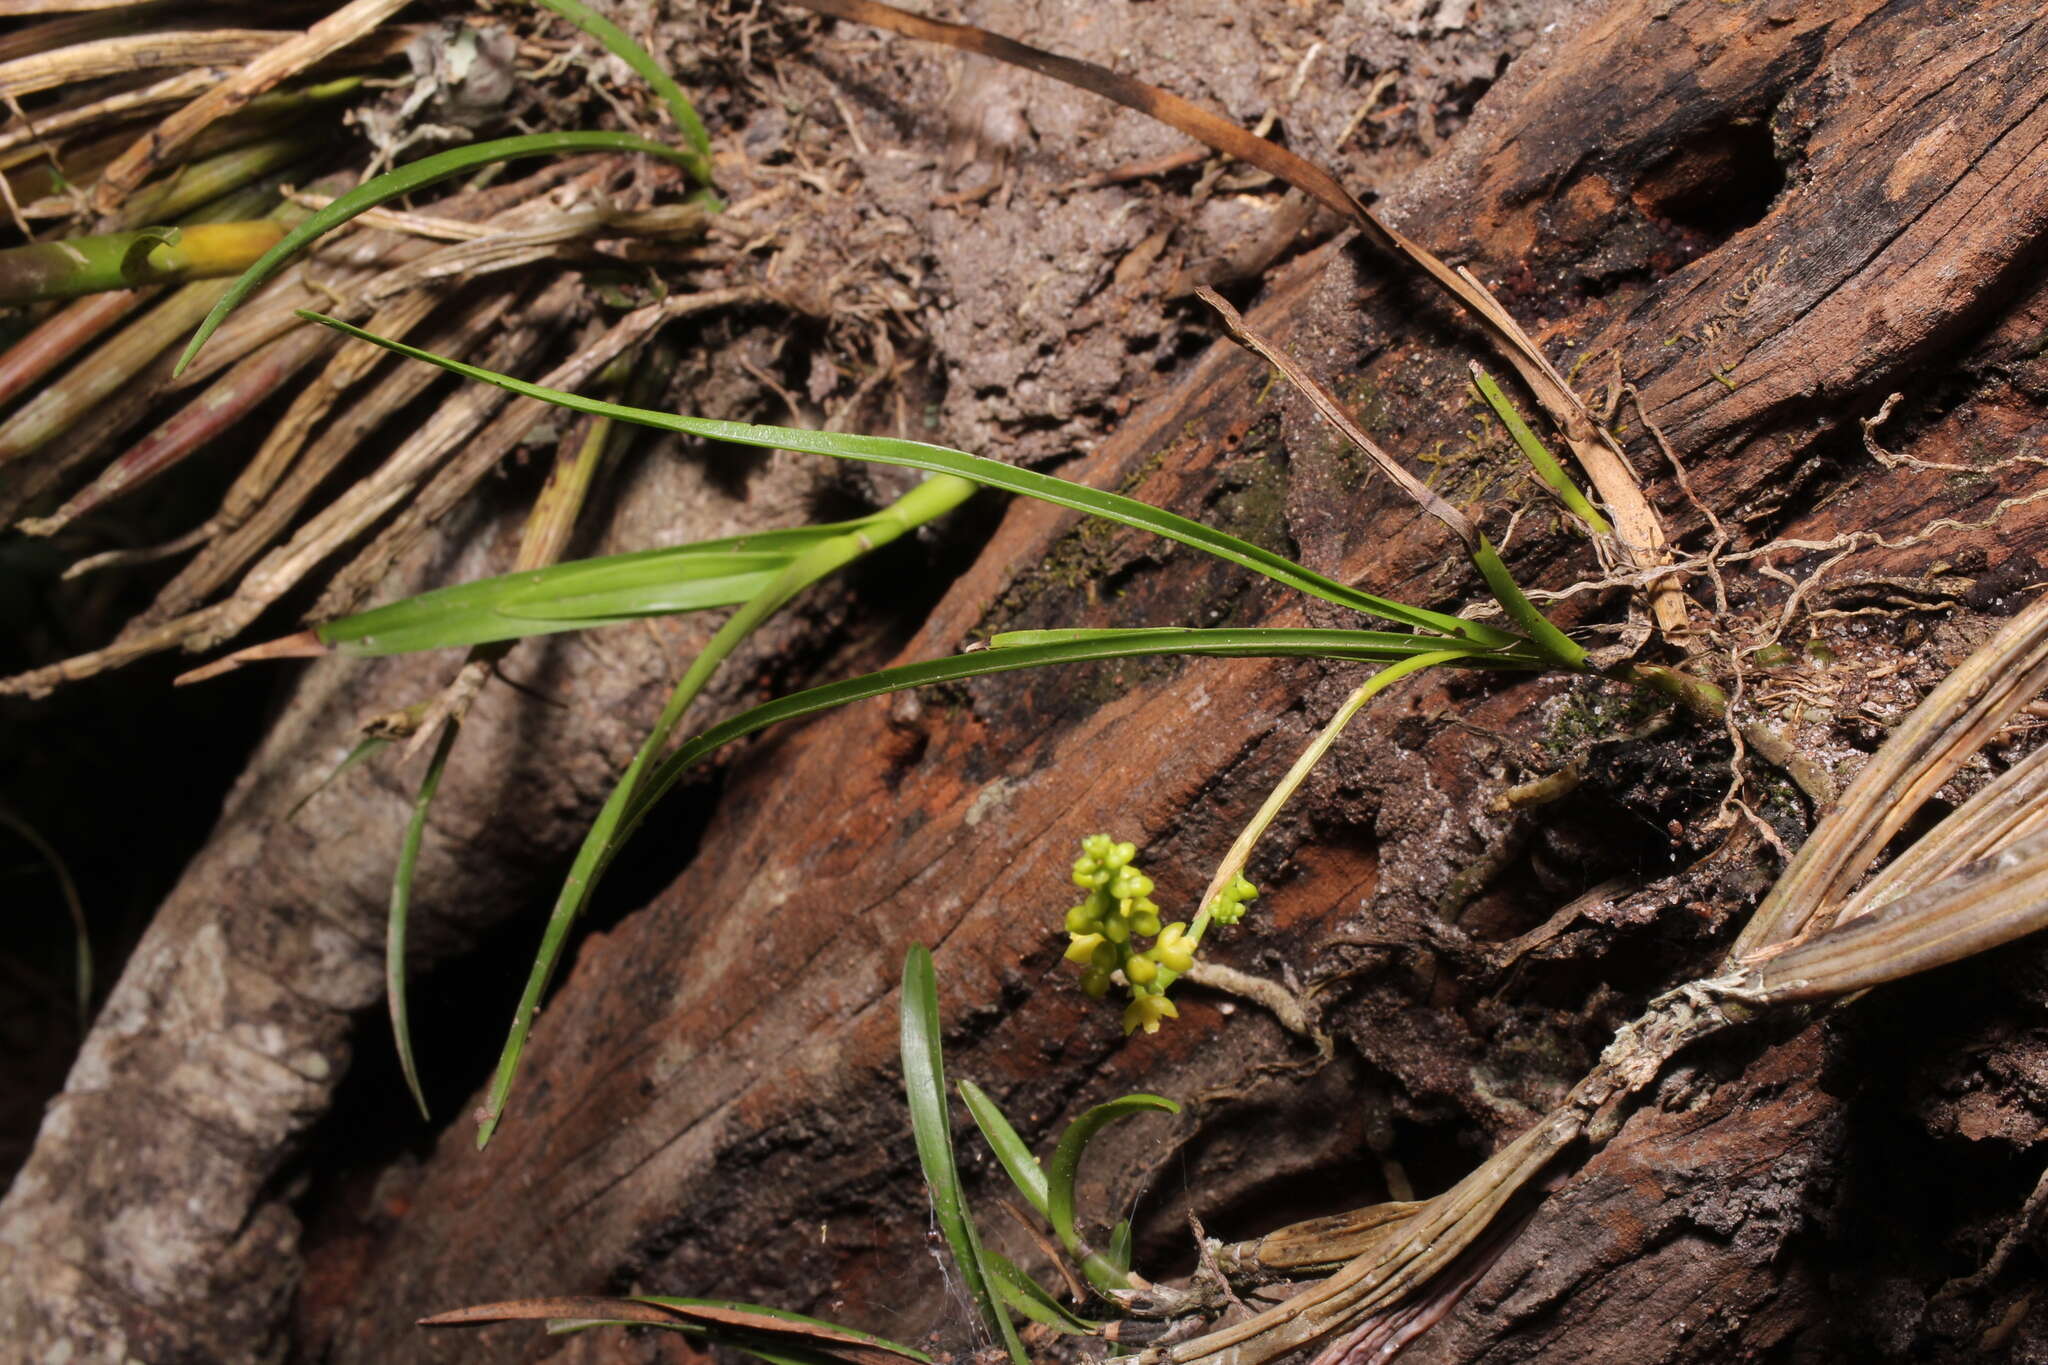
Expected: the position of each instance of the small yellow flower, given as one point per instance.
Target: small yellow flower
(1146, 1011)
(1083, 947)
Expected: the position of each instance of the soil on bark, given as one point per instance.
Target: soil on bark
(1765, 218)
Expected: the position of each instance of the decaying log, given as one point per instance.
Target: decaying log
(1772, 214)
(1768, 216)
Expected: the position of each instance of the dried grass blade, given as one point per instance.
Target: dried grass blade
(280, 481)
(2014, 806)
(56, 338)
(199, 423)
(109, 369)
(489, 251)
(14, 9)
(1988, 903)
(130, 53)
(1554, 643)
(166, 91)
(1940, 735)
(286, 59)
(1420, 493)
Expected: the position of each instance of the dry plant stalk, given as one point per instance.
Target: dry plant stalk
(203, 420)
(286, 59)
(131, 53)
(1955, 721)
(169, 90)
(279, 482)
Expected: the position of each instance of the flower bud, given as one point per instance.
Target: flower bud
(1140, 970)
(1172, 950)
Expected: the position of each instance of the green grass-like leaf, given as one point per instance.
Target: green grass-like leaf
(1037, 649)
(924, 1085)
(409, 179)
(1538, 455)
(582, 594)
(1018, 1162)
(1119, 1252)
(1555, 646)
(621, 45)
(365, 749)
(1066, 1164)
(1028, 1297)
(636, 793)
(401, 911)
(991, 473)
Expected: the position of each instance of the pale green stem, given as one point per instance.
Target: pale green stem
(1240, 852)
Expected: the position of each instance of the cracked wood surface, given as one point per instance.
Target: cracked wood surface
(711, 1105)
(719, 1114)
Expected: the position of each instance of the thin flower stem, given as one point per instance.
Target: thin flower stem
(1240, 852)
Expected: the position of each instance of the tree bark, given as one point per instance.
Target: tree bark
(1768, 217)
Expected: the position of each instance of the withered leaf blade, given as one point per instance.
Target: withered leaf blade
(540, 1310)
(719, 1319)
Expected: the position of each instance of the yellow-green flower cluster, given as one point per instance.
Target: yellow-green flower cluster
(1107, 931)
(1229, 906)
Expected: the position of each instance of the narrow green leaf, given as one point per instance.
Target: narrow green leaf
(1264, 642)
(1119, 1252)
(409, 179)
(1066, 1164)
(1020, 650)
(621, 45)
(993, 474)
(924, 1086)
(401, 911)
(1028, 1297)
(364, 749)
(579, 595)
(1538, 455)
(1022, 1167)
(1555, 645)
(633, 796)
